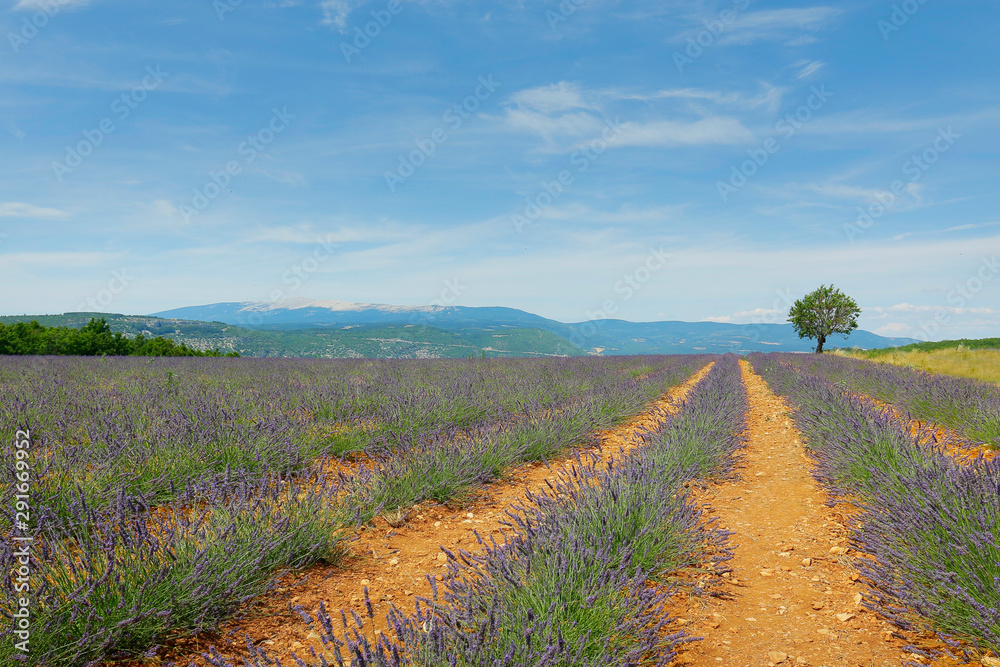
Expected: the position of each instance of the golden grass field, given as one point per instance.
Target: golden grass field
(981, 364)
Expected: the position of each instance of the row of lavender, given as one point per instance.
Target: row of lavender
(582, 578)
(968, 406)
(110, 578)
(930, 525)
(152, 426)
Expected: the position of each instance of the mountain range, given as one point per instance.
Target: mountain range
(340, 328)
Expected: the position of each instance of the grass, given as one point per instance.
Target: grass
(977, 363)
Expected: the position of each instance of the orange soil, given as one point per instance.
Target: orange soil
(393, 563)
(793, 596)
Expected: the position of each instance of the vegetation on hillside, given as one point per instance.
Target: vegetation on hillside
(375, 341)
(96, 338)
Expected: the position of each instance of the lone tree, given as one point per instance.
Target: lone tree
(823, 312)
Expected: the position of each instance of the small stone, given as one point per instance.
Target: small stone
(751, 619)
(365, 582)
(838, 551)
(801, 661)
(823, 631)
(844, 618)
(857, 598)
(777, 657)
(269, 642)
(442, 557)
(682, 621)
(766, 573)
(470, 515)
(854, 577)
(817, 605)
(407, 592)
(806, 562)
(313, 636)
(298, 645)
(394, 561)
(990, 662)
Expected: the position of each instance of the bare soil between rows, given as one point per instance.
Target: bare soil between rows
(794, 596)
(393, 563)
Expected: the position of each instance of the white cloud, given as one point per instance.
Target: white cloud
(35, 5)
(714, 130)
(893, 329)
(779, 24)
(560, 96)
(807, 69)
(21, 210)
(335, 12)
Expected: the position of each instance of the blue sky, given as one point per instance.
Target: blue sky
(671, 160)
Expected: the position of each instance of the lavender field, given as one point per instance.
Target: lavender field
(167, 493)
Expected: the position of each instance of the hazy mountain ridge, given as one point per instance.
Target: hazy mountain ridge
(596, 337)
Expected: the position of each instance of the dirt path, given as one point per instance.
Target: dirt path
(393, 562)
(793, 594)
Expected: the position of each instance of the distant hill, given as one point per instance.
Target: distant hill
(595, 337)
(403, 341)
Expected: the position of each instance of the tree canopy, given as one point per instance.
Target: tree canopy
(95, 338)
(823, 312)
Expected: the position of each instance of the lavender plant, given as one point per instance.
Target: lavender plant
(115, 580)
(167, 492)
(582, 578)
(968, 406)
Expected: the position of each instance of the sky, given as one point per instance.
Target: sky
(643, 160)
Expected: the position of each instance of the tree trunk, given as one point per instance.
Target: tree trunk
(819, 344)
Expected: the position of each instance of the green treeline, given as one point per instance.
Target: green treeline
(92, 340)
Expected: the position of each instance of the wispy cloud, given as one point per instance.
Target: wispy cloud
(35, 5)
(716, 130)
(808, 68)
(779, 25)
(335, 12)
(16, 209)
